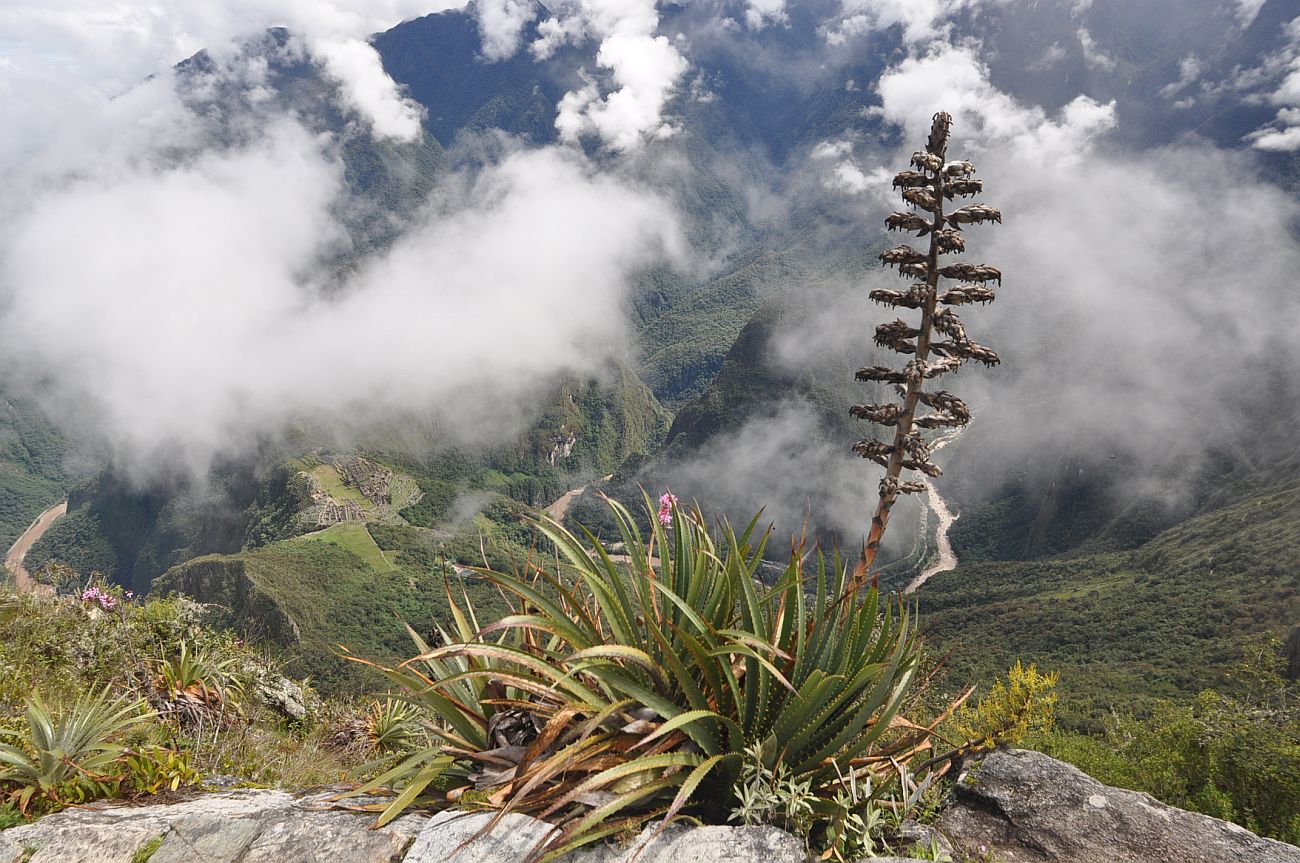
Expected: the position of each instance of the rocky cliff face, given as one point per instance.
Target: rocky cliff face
(238, 603)
(1013, 806)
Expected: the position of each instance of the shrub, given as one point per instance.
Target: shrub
(1026, 703)
(65, 756)
(611, 697)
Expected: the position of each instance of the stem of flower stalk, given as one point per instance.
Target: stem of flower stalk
(895, 467)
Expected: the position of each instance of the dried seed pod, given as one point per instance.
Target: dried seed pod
(950, 240)
(880, 374)
(885, 415)
(967, 294)
(877, 451)
(962, 188)
(895, 335)
(946, 402)
(973, 214)
(912, 487)
(947, 322)
(959, 169)
(984, 355)
(938, 419)
(910, 180)
(972, 272)
(927, 162)
(917, 370)
(937, 143)
(923, 466)
(900, 255)
(907, 222)
(915, 270)
(921, 198)
(914, 298)
(968, 350)
(916, 446)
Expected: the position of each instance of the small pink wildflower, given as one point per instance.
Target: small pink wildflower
(667, 501)
(105, 600)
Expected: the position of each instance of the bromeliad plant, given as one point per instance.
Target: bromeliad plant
(938, 344)
(615, 695)
(66, 755)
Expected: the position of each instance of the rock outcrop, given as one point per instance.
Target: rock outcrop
(1028, 808)
(238, 602)
(1013, 806)
(444, 840)
(251, 826)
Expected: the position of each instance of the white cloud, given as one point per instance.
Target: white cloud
(1092, 53)
(1276, 81)
(367, 88)
(64, 58)
(1189, 69)
(832, 149)
(1246, 10)
(953, 79)
(501, 23)
(644, 69)
(194, 320)
(760, 13)
(920, 20)
(1054, 54)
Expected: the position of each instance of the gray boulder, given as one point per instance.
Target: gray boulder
(449, 838)
(1025, 807)
(250, 826)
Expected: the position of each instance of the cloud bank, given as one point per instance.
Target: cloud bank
(181, 306)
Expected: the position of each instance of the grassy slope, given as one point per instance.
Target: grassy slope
(1126, 628)
(354, 538)
(339, 588)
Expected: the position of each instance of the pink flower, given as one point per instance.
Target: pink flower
(103, 599)
(667, 501)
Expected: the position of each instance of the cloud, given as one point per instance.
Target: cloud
(1246, 10)
(761, 13)
(783, 463)
(67, 58)
(920, 21)
(954, 79)
(1092, 53)
(1274, 80)
(1189, 69)
(196, 319)
(644, 69)
(367, 88)
(501, 23)
(1054, 54)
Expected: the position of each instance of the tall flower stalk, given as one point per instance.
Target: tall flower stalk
(938, 344)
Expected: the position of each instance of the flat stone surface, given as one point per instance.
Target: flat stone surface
(248, 826)
(1026, 807)
(448, 838)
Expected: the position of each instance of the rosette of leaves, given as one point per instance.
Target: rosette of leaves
(937, 343)
(618, 693)
(65, 755)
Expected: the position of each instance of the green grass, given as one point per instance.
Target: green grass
(1126, 629)
(352, 537)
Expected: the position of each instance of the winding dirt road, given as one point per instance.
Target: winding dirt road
(559, 507)
(18, 551)
(945, 558)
